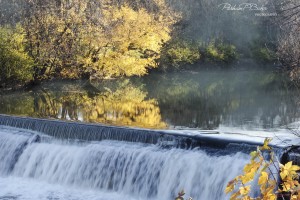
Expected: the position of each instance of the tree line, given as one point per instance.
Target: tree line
(74, 39)
(112, 38)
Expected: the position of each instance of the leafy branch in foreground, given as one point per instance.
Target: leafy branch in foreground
(289, 189)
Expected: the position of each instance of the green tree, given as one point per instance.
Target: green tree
(218, 51)
(15, 64)
(179, 52)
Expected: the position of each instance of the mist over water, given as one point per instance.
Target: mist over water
(206, 20)
(202, 20)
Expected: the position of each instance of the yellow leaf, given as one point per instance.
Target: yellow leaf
(263, 179)
(266, 144)
(288, 165)
(294, 197)
(229, 188)
(230, 185)
(286, 187)
(288, 171)
(272, 197)
(254, 154)
(248, 176)
(295, 168)
(252, 165)
(245, 190)
(283, 174)
(235, 195)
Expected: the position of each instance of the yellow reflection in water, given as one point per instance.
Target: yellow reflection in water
(128, 105)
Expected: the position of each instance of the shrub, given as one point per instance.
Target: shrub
(264, 55)
(221, 52)
(180, 52)
(15, 64)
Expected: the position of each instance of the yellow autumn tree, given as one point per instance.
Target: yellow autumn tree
(103, 39)
(259, 166)
(129, 40)
(52, 31)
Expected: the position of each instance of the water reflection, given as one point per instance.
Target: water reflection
(124, 104)
(247, 99)
(199, 99)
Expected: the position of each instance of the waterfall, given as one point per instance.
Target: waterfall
(12, 147)
(98, 132)
(9, 148)
(80, 131)
(68, 160)
(141, 171)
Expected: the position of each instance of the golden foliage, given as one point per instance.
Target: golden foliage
(267, 181)
(98, 38)
(133, 39)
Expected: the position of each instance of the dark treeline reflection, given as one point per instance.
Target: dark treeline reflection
(199, 99)
(208, 99)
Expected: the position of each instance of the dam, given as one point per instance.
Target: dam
(49, 159)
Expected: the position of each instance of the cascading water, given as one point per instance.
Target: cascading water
(10, 147)
(108, 169)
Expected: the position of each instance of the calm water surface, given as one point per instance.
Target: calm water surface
(195, 99)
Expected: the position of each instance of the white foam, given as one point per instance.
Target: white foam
(114, 170)
(28, 189)
(280, 137)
